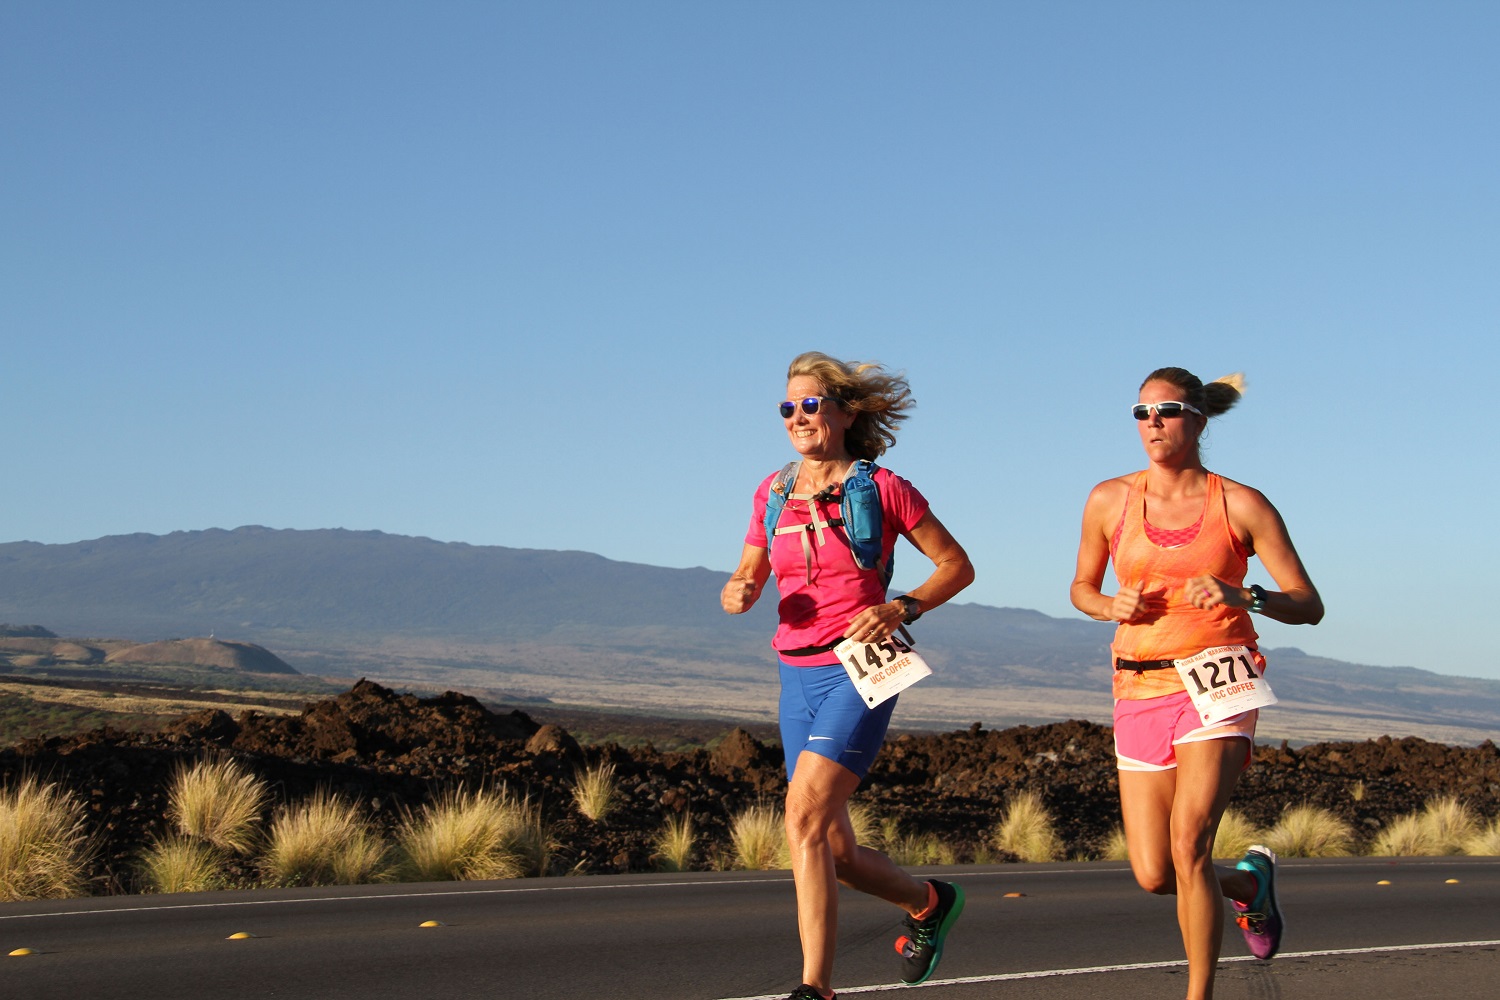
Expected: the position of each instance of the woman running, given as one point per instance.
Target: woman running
(1180, 538)
(835, 414)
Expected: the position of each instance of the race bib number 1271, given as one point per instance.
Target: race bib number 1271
(1223, 682)
(881, 670)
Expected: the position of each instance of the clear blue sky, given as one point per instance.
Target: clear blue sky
(529, 274)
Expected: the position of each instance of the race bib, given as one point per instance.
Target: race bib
(1222, 682)
(881, 670)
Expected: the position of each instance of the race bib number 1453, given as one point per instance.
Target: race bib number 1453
(881, 670)
(1222, 682)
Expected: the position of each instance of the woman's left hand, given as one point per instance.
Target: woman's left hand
(1209, 592)
(876, 623)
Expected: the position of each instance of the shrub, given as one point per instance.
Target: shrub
(921, 849)
(474, 835)
(1403, 837)
(1235, 835)
(675, 843)
(1306, 831)
(44, 852)
(867, 826)
(179, 863)
(594, 791)
(1027, 831)
(1450, 822)
(324, 841)
(1486, 840)
(1444, 826)
(1115, 847)
(219, 802)
(757, 838)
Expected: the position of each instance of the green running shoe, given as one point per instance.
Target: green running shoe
(922, 946)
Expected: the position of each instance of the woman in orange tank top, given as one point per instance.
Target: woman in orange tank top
(1180, 538)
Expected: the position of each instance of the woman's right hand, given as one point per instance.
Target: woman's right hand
(1128, 604)
(739, 595)
(748, 580)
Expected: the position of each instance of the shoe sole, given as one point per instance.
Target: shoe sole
(942, 934)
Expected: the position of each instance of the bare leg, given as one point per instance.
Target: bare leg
(824, 853)
(1170, 821)
(1206, 775)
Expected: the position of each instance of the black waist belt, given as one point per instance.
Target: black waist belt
(830, 647)
(1139, 665)
(810, 650)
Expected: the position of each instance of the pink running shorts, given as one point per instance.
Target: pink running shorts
(1148, 730)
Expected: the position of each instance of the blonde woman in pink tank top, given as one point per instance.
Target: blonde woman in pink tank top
(1180, 538)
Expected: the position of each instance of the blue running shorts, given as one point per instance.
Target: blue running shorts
(822, 712)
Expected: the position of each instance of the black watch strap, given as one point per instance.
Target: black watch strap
(913, 608)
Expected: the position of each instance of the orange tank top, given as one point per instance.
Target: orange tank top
(1182, 629)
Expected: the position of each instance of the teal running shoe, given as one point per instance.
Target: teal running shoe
(1261, 921)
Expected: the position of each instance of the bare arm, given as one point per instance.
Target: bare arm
(1260, 527)
(747, 581)
(1099, 515)
(951, 573)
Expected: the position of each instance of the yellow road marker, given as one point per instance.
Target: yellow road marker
(239, 936)
(1014, 895)
(21, 951)
(1384, 881)
(1451, 881)
(432, 923)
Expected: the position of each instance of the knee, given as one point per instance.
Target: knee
(1157, 881)
(1192, 850)
(806, 823)
(801, 822)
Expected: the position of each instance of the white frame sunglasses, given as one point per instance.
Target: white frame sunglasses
(1143, 411)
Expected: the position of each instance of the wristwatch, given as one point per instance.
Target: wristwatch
(1257, 599)
(913, 608)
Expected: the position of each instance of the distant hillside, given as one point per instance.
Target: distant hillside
(26, 652)
(527, 625)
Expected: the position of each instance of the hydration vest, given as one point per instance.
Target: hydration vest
(859, 516)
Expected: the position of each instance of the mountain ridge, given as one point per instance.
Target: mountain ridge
(577, 627)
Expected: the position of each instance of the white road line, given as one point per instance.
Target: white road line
(1051, 973)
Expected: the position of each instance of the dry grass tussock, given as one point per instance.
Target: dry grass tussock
(1307, 831)
(675, 843)
(474, 835)
(1444, 826)
(1027, 830)
(220, 802)
(1236, 835)
(324, 840)
(1403, 837)
(866, 824)
(916, 849)
(1486, 840)
(757, 839)
(179, 863)
(1451, 822)
(594, 791)
(44, 850)
(1115, 847)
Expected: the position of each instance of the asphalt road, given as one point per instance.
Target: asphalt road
(1074, 930)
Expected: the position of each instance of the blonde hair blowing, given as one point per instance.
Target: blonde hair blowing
(1213, 399)
(878, 398)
